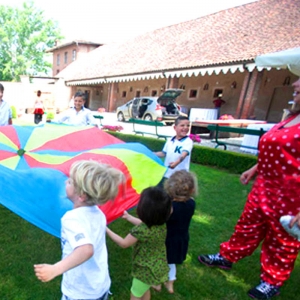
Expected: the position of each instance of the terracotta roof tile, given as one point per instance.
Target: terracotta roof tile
(230, 36)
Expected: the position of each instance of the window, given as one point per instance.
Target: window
(193, 94)
(73, 55)
(138, 94)
(66, 57)
(124, 94)
(58, 60)
(217, 92)
(154, 93)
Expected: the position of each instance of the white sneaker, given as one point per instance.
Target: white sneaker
(294, 231)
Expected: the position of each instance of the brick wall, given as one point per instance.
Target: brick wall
(80, 49)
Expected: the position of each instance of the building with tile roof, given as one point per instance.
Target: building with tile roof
(68, 52)
(206, 56)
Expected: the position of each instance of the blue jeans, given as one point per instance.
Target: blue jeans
(104, 297)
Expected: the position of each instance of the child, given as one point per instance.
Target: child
(78, 115)
(149, 266)
(38, 108)
(180, 186)
(84, 259)
(177, 150)
(5, 110)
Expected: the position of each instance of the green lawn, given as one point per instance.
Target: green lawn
(219, 204)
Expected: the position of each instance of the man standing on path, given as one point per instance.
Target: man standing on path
(218, 103)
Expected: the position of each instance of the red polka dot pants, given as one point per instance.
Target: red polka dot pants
(260, 222)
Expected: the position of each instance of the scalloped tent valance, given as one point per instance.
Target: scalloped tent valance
(186, 72)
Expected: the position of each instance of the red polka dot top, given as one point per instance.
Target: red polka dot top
(279, 152)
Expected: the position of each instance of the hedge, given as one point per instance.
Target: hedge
(223, 159)
(13, 112)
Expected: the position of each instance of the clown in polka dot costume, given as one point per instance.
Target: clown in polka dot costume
(275, 193)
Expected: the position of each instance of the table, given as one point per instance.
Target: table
(252, 140)
(198, 114)
(98, 116)
(234, 122)
(196, 125)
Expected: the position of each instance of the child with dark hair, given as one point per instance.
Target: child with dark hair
(5, 110)
(149, 266)
(38, 108)
(180, 186)
(78, 114)
(177, 150)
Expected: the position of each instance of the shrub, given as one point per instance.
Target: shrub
(112, 128)
(226, 117)
(223, 159)
(153, 144)
(195, 138)
(101, 109)
(13, 112)
(50, 115)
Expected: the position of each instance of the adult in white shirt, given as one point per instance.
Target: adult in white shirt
(78, 115)
(5, 110)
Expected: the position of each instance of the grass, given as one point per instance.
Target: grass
(219, 204)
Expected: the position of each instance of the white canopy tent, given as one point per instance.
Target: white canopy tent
(287, 59)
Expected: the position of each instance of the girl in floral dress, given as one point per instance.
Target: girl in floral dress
(149, 265)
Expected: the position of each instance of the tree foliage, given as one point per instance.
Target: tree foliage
(25, 34)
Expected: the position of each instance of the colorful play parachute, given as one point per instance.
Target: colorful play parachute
(35, 163)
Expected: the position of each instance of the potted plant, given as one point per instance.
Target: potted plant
(13, 112)
(49, 116)
(195, 138)
(115, 128)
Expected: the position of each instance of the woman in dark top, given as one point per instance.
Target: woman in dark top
(180, 186)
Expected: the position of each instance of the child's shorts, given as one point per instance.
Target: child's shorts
(139, 288)
(104, 297)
